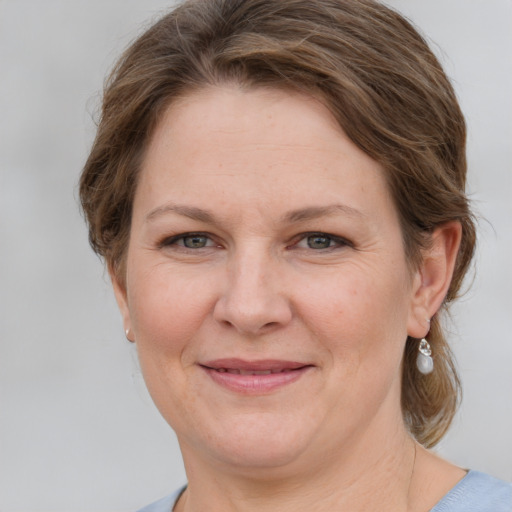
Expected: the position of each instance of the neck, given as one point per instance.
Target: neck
(374, 473)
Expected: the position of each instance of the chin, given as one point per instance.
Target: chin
(256, 441)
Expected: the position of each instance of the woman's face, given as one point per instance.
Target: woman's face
(267, 288)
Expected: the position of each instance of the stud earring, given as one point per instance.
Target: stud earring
(424, 361)
(127, 332)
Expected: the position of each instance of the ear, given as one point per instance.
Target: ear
(122, 302)
(433, 277)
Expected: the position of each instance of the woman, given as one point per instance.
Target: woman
(277, 188)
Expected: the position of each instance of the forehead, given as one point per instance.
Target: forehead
(256, 147)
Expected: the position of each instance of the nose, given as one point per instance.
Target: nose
(254, 299)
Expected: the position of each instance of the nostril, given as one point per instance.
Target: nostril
(252, 314)
(268, 325)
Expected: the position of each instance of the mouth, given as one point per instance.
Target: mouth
(239, 371)
(254, 377)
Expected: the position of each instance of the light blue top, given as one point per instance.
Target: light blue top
(476, 492)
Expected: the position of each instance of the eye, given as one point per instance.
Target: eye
(189, 241)
(319, 241)
(195, 241)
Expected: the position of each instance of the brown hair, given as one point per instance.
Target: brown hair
(376, 75)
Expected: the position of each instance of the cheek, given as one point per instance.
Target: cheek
(166, 309)
(359, 315)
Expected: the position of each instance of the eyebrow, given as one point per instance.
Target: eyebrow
(191, 212)
(314, 212)
(299, 215)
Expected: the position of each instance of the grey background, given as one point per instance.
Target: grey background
(78, 431)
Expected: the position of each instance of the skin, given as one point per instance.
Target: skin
(262, 165)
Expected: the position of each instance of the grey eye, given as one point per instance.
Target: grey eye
(195, 241)
(319, 241)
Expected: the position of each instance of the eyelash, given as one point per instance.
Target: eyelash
(174, 239)
(338, 242)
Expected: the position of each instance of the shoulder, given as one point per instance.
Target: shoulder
(477, 492)
(165, 504)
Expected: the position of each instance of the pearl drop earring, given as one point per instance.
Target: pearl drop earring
(424, 361)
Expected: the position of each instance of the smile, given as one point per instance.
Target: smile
(254, 377)
(250, 372)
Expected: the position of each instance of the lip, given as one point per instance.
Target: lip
(254, 377)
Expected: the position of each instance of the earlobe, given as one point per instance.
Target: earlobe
(433, 277)
(122, 302)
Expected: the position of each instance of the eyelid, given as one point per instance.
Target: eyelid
(339, 240)
(171, 240)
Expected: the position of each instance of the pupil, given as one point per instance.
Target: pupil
(194, 242)
(318, 242)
